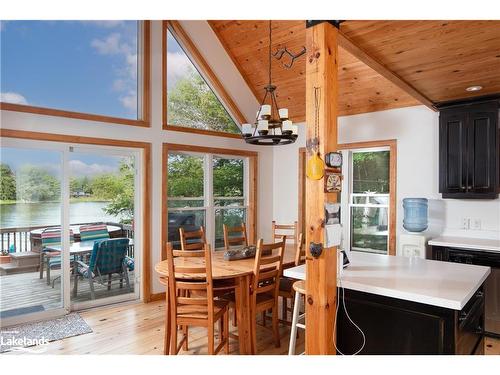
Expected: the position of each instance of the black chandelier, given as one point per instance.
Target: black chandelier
(272, 126)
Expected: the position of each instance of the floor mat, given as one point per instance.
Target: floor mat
(33, 337)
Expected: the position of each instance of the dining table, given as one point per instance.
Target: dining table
(241, 272)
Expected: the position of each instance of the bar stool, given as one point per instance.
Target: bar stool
(300, 290)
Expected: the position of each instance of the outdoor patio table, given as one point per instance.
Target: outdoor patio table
(79, 248)
(112, 229)
(241, 272)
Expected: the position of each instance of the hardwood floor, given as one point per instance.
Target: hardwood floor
(137, 328)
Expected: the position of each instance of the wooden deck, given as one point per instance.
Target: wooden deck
(27, 289)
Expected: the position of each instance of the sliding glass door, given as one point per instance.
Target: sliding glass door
(56, 201)
(32, 200)
(104, 195)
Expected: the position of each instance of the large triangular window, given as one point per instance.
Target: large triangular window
(190, 101)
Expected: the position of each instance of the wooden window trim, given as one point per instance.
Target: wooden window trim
(183, 129)
(145, 116)
(253, 158)
(393, 146)
(207, 73)
(146, 181)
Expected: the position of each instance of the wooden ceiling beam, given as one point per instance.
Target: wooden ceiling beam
(357, 52)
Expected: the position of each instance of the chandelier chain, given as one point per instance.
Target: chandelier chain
(270, 55)
(272, 132)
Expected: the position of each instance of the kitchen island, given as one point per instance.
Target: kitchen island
(409, 305)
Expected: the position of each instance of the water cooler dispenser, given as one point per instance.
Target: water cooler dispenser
(413, 244)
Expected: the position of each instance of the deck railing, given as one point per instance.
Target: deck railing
(20, 237)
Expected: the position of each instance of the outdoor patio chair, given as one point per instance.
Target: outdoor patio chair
(107, 258)
(93, 232)
(50, 258)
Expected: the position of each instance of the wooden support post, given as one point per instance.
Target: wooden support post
(321, 284)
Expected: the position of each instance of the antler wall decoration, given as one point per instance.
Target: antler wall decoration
(293, 56)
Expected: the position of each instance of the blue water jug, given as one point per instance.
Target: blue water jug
(416, 210)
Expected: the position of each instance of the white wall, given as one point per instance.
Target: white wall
(416, 131)
(156, 136)
(285, 179)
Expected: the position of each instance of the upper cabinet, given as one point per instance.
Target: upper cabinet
(469, 157)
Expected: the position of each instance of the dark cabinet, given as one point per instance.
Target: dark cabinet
(469, 158)
(395, 326)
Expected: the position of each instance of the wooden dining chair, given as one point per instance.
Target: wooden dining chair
(235, 236)
(300, 254)
(192, 240)
(291, 231)
(195, 309)
(286, 291)
(265, 285)
(168, 316)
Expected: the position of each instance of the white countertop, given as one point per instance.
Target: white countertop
(466, 243)
(442, 284)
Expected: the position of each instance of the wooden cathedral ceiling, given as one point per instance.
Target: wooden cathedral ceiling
(437, 58)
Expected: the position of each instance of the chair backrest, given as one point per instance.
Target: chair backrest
(291, 231)
(200, 279)
(300, 255)
(267, 268)
(93, 232)
(108, 255)
(193, 240)
(52, 237)
(234, 236)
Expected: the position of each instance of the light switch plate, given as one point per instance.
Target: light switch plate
(465, 223)
(476, 224)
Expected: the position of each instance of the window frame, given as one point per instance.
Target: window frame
(206, 73)
(249, 187)
(143, 91)
(145, 179)
(204, 198)
(384, 145)
(212, 207)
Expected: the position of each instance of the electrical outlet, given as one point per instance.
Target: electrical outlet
(465, 223)
(476, 224)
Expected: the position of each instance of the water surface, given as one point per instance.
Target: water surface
(49, 213)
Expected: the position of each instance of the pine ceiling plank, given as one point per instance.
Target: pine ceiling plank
(439, 58)
(348, 45)
(361, 89)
